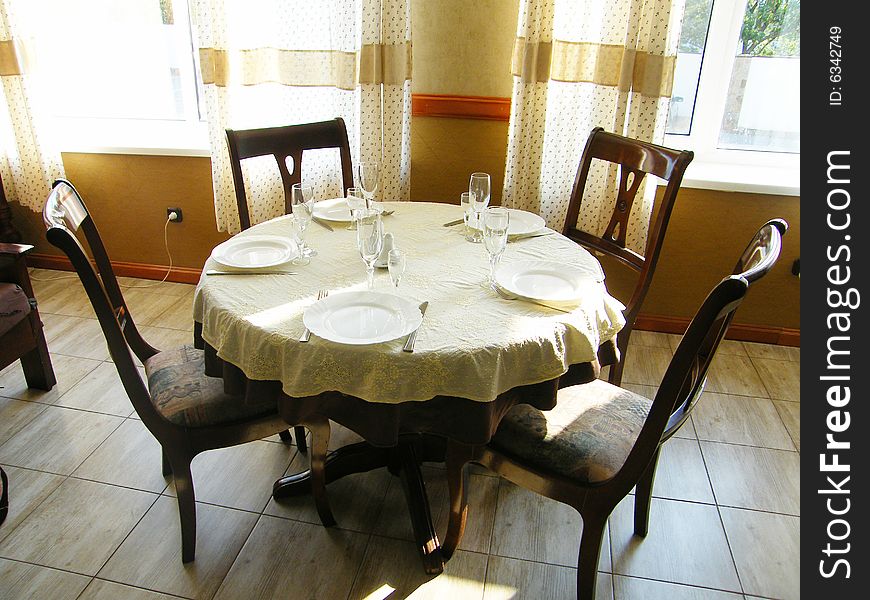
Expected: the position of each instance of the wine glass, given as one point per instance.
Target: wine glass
(356, 200)
(369, 175)
(396, 264)
(302, 207)
(467, 214)
(495, 233)
(479, 187)
(296, 233)
(369, 239)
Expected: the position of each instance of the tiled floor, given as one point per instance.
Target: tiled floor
(91, 516)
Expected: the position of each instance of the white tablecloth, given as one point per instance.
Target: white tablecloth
(472, 344)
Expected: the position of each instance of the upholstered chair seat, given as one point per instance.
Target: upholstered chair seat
(586, 437)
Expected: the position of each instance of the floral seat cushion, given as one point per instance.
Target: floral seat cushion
(586, 437)
(184, 395)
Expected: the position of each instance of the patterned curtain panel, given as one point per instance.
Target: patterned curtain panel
(29, 161)
(266, 63)
(580, 64)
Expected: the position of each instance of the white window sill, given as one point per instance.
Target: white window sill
(121, 136)
(784, 181)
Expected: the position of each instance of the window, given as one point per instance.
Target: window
(129, 70)
(736, 97)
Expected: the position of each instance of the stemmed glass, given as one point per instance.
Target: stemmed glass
(296, 232)
(356, 200)
(369, 240)
(369, 175)
(302, 206)
(396, 264)
(479, 188)
(495, 234)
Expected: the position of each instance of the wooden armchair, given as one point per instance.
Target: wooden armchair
(635, 159)
(187, 411)
(21, 334)
(283, 142)
(600, 440)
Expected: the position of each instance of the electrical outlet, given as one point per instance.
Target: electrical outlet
(178, 215)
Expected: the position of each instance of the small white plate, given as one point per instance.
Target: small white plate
(332, 210)
(522, 222)
(362, 317)
(546, 281)
(255, 251)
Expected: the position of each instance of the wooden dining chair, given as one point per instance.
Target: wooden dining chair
(187, 411)
(635, 159)
(289, 141)
(601, 440)
(21, 334)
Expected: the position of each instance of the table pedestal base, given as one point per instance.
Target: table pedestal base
(402, 460)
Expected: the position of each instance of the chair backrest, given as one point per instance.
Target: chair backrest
(283, 142)
(683, 382)
(635, 159)
(65, 214)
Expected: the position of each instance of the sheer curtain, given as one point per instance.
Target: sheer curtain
(29, 161)
(579, 64)
(277, 62)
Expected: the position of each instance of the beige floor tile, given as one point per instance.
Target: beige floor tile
(27, 489)
(283, 557)
(790, 413)
(75, 336)
(647, 366)
(356, 500)
(16, 414)
(68, 371)
(771, 351)
(531, 527)
(782, 378)
(685, 544)
(508, 578)
(681, 474)
(78, 527)
(391, 568)
(146, 305)
(756, 478)
(167, 288)
(100, 391)
(730, 347)
(482, 496)
(632, 588)
(21, 580)
(130, 457)
(150, 557)
(650, 338)
(740, 420)
(108, 590)
(58, 440)
(179, 315)
(767, 551)
(163, 338)
(65, 297)
(239, 477)
(732, 374)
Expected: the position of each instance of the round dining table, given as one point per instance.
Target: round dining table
(477, 353)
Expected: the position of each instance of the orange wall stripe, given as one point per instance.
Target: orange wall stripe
(463, 107)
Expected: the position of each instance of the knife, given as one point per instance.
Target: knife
(409, 344)
(214, 272)
(322, 223)
(452, 223)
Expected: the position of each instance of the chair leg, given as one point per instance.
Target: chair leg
(286, 436)
(167, 466)
(186, 505)
(457, 483)
(299, 432)
(590, 552)
(317, 458)
(643, 496)
(36, 365)
(615, 375)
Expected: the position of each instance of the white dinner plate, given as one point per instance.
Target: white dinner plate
(255, 251)
(362, 317)
(522, 222)
(332, 210)
(546, 281)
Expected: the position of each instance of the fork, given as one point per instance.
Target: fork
(306, 335)
(508, 296)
